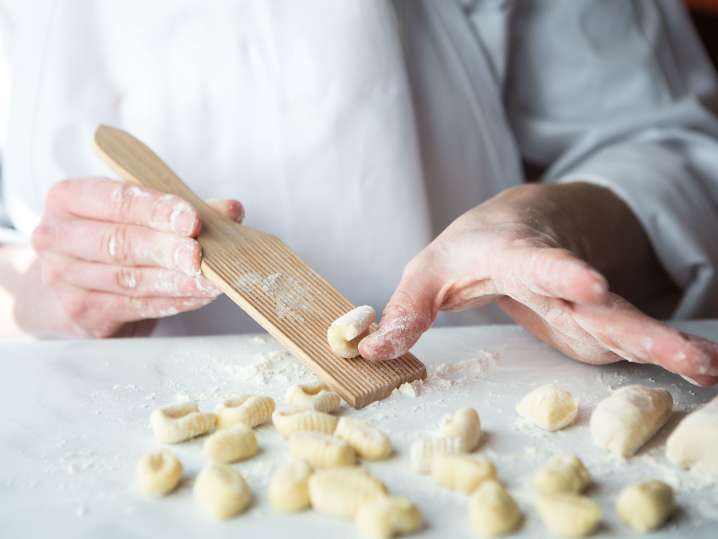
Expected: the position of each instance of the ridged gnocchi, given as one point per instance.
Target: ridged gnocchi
(231, 444)
(340, 492)
(461, 472)
(158, 473)
(320, 450)
(313, 397)
(221, 491)
(465, 424)
(287, 423)
(179, 422)
(425, 449)
(387, 516)
(289, 487)
(368, 442)
(249, 410)
(344, 334)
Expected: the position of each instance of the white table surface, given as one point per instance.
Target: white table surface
(76, 421)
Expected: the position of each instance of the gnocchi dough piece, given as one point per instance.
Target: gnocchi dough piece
(313, 397)
(158, 473)
(340, 492)
(562, 474)
(320, 450)
(630, 417)
(548, 407)
(232, 444)
(179, 422)
(289, 487)
(645, 506)
(694, 442)
(493, 511)
(424, 450)
(387, 516)
(464, 424)
(569, 515)
(287, 423)
(344, 334)
(249, 410)
(368, 442)
(221, 491)
(461, 472)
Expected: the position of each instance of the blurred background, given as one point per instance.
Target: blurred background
(705, 17)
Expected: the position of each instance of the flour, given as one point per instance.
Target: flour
(290, 296)
(276, 367)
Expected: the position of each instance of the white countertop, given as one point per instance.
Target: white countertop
(76, 421)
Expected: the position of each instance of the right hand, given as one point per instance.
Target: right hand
(116, 255)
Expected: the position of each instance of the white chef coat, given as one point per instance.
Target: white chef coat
(355, 130)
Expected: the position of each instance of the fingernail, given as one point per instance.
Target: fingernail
(185, 258)
(183, 219)
(205, 286)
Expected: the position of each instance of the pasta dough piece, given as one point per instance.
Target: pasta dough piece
(250, 410)
(232, 444)
(180, 422)
(340, 492)
(562, 474)
(158, 473)
(645, 506)
(387, 516)
(425, 449)
(464, 424)
(569, 515)
(493, 511)
(289, 487)
(368, 442)
(630, 417)
(694, 442)
(344, 334)
(548, 407)
(320, 450)
(221, 491)
(461, 472)
(287, 423)
(313, 397)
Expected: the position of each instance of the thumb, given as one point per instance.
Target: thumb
(409, 313)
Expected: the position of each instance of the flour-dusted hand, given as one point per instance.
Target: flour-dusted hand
(543, 253)
(115, 254)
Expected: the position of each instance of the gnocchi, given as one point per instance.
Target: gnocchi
(313, 397)
(158, 473)
(562, 474)
(232, 444)
(340, 492)
(344, 334)
(548, 407)
(320, 450)
(221, 491)
(289, 487)
(425, 449)
(464, 424)
(569, 515)
(461, 472)
(630, 417)
(493, 511)
(694, 441)
(287, 423)
(386, 516)
(645, 506)
(250, 410)
(179, 422)
(368, 442)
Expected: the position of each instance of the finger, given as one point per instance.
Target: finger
(233, 209)
(103, 199)
(118, 244)
(124, 280)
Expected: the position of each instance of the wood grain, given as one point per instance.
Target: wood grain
(267, 280)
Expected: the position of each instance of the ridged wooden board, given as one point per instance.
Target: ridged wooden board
(267, 279)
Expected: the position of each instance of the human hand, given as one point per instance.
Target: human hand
(534, 250)
(115, 255)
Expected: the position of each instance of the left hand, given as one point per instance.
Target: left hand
(546, 255)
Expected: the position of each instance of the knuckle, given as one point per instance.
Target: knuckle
(127, 278)
(116, 243)
(57, 193)
(76, 306)
(41, 237)
(123, 199)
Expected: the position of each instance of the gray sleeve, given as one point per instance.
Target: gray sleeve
(619, 93)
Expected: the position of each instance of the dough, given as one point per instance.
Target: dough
(287, 423)
(464, 424)
(424, 450)
(344, 334)
(548, 407)
(368, 442)
(158, 473)
(221, 491)
(645, 506)
(180, 422)
(320, 450)
(387, 516)
(562, 474)
(492, 510)
(694, 442)
(232, 444)
(340, 492)
(249, 410)
(569, 515)
(461, 472)
(289, 487)
(630, 417)
(313, 397)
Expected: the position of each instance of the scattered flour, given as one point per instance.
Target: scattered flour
(276, 367)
